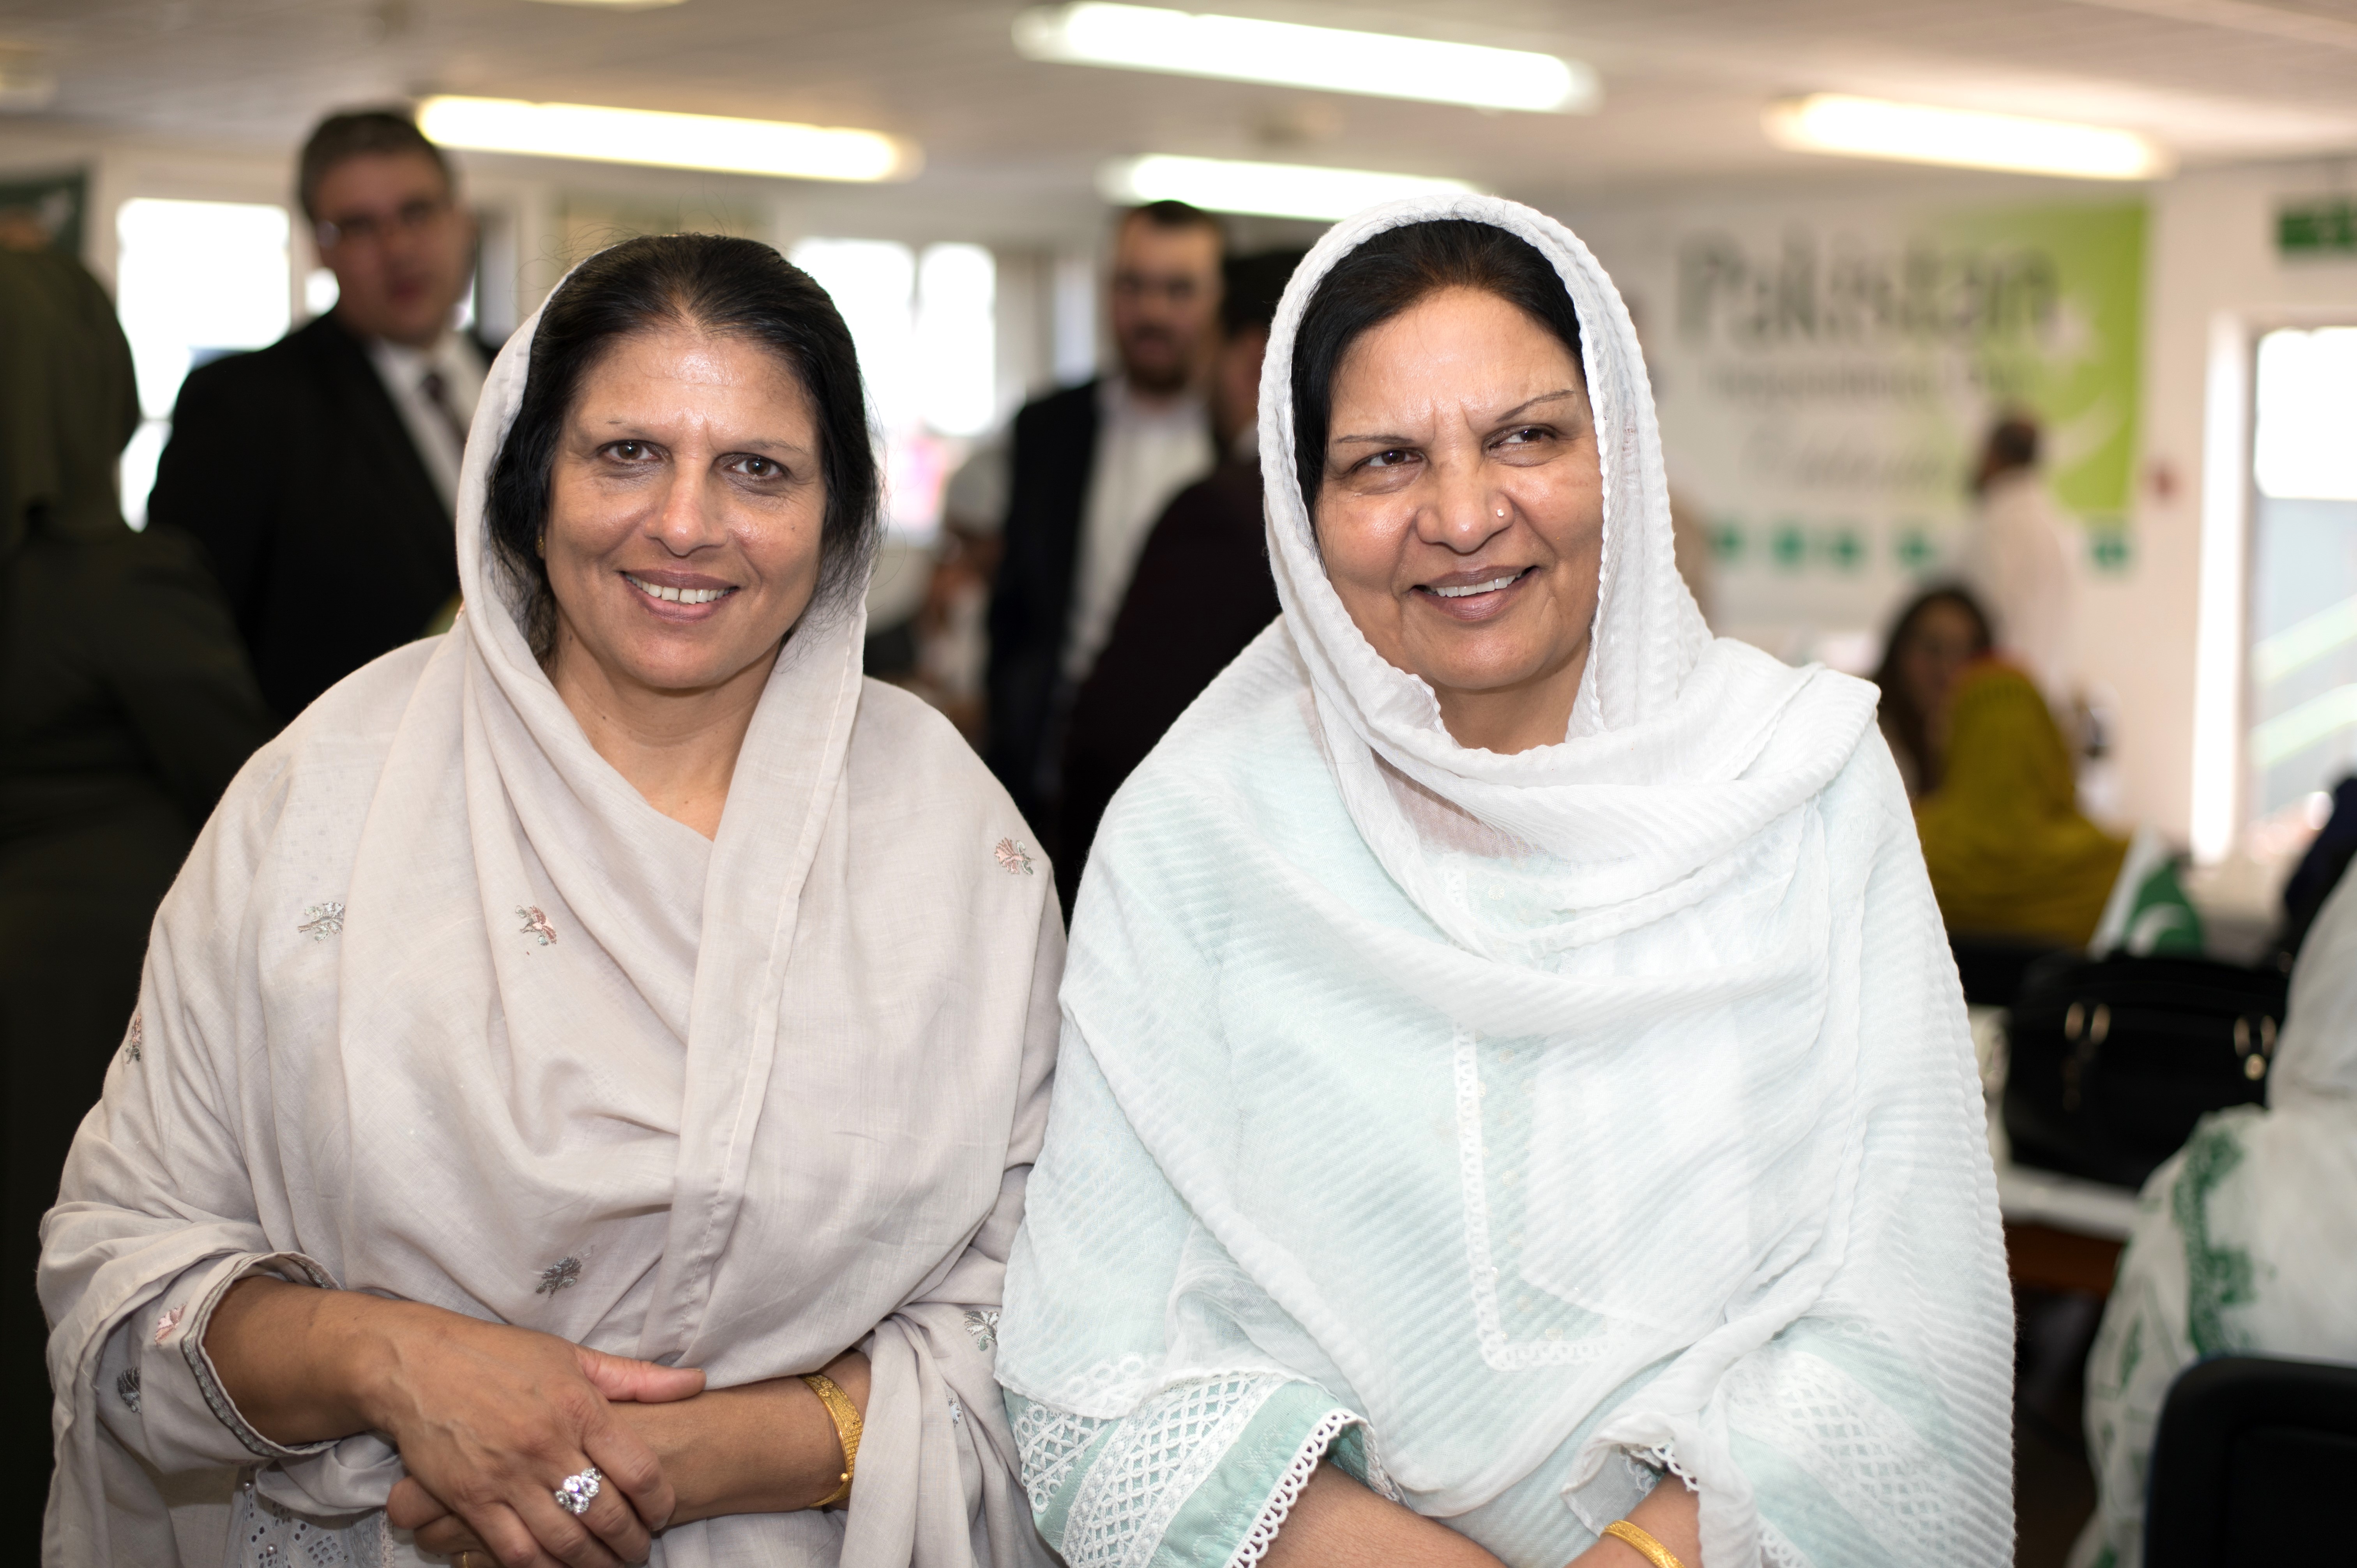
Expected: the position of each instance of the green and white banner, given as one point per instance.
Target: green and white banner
(1825, 375)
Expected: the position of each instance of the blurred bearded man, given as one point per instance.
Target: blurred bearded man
(321, 474)
(1093, 466)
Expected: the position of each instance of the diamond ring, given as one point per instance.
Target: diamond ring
(573, 1495)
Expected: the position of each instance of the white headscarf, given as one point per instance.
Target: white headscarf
(1611, 1096)
(444, 1006)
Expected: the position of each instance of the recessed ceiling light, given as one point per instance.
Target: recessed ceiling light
(1334, 60)
(667, 141)
(1268, 191)
(1965, 138)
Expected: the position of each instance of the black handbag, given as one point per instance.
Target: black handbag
(2113, 1061)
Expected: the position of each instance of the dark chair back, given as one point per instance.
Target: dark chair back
(2253, 1464)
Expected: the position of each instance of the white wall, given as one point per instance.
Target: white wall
(2214, 279)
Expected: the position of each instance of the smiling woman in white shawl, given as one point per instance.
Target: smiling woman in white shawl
(592, 1058)
(1511, 1054)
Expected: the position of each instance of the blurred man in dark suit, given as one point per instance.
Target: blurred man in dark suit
(1201, 591)
(321, 473)
(1091, 468)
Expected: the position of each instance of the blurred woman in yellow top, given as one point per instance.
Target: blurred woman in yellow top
(2008, 851)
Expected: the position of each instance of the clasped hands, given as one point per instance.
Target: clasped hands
(491, 1420)
(483, 1471)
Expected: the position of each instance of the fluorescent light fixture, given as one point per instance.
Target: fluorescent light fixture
(1333, 60)
(667, 141)
(1268, 191)
(1965, 138)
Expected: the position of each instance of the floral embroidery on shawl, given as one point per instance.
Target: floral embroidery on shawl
(535, 924)
(168, 1321)
(1013, 858)
(322, 921)
(983, 1323)
(561, 1274)
(130, 1042)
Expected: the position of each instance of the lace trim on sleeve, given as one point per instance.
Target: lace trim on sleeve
(1263, 1534)
(1051, 1441)
(1151, 1463)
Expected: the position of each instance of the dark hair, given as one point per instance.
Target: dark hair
(2013, 442)
(360, 132)
(1910, 725)
(1250, 288)
(1175, 215)
(1393, 271)
(729, 286)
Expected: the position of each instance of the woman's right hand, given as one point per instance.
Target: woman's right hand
(489, 1419)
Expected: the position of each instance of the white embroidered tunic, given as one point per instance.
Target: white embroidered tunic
(1509, 1129)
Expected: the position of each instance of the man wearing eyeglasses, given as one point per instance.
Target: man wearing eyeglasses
(321, 473)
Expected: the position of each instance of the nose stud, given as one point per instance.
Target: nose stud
(1501, 511)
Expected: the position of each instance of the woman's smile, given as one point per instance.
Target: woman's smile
(680, 597)
(1479, 594)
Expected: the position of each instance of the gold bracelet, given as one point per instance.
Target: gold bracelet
(847, 1428)
(1659, 1555)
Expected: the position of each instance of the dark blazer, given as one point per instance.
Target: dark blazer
(293, 468)
(1054, 452)
(126, 708)
(1201, 592)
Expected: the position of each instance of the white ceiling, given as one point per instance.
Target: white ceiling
(1011, 144)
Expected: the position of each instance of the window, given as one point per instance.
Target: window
(194, 280)
(925, 329)
(2303, 612)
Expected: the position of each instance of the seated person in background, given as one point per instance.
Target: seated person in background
(126, 705)
(2245, 1241)
(2009, 853)
(617, 975)
(1515, 1104)
(1201, 592)
(1937, 636)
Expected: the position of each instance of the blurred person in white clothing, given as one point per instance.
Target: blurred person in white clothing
(2019, 558)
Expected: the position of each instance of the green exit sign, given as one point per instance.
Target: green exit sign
(2327, 227)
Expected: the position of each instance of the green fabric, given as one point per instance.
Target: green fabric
(1219, 1514)
(69, 401)
(2162, 920)
(2006, 846)
(1212, 1524)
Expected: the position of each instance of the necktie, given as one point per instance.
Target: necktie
(437, 392)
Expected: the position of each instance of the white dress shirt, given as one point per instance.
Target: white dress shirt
(1146, 453)
(403, 370)
(2019, 557)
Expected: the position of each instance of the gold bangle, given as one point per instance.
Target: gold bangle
(847, 1428)
(1659, 1555)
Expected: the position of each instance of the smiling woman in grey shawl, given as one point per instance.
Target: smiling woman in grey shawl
(616, 997)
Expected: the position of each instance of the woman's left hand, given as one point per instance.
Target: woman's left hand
(759, 1448)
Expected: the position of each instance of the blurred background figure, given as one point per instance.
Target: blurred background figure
(953, 634)
(1201, 591)
(2321, 869)
(2009, 854)
(2019, 558)
(2245, 1241)
(126, 705)
(1935, 639)
(338, 545)
(1091, 468)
